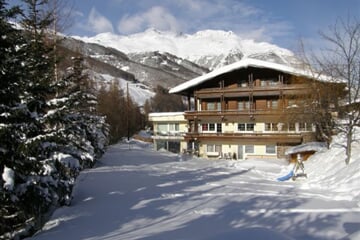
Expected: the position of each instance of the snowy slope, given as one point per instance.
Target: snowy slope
(208, 48)
(137, 193)
(138, 92)
(327, 170)
(149, 68)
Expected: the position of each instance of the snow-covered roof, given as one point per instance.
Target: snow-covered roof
(245, 63)
(165, 114)
(167, 117)
(306, 147)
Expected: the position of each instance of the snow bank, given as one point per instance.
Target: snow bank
(327, 171)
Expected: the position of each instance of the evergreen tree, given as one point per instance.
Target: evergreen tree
(49, 129)
(12, 111)
(33, 191)
(26, 193)
(85, 132)
(80, 136)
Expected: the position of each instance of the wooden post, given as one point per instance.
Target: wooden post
(128, 111)
(189, 102)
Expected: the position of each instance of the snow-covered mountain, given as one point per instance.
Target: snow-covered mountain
(143, 71)
(208, 48)
(153, 58)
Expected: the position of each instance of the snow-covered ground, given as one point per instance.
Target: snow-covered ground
(137, 193)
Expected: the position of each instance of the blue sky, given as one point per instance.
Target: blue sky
(282, 22)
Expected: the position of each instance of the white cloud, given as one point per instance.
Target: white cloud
(217, 8)
(98, 23)
(78, 14)
(241, 17)
(157, 17)
(191, 5)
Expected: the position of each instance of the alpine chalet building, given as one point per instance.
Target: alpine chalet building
(247, 110)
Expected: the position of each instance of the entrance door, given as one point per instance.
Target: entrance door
(241, 152)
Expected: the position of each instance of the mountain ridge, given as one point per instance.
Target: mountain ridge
(208, 48)
(145, 60)
(140, 73)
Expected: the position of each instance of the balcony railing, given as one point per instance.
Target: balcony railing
(229, 115)
(280, 137)
(171, 135)
(291, 89)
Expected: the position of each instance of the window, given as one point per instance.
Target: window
(218, 128)
(272, 104)
(162, 127)
(166, 128)
(305, 127)
(241, 127)
(271, 127)
(270, 149)
(249, 148)
(273, 82)
(243, 105)
(211, 127)
(248, 127)
(292, 103)
(212, 106)
(291, 127)
(213, 148)
(173, 127)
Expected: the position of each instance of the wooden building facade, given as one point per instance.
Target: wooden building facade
(248, 109)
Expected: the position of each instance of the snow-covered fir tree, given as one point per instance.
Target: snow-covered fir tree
(49, 129)
(13, 164)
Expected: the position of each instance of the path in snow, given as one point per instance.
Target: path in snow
(138, 193)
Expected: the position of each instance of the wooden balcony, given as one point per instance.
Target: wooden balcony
(255, 138)
(274, 115)
(275, 90)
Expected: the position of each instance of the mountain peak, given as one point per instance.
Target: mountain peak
(215, 33)
(209, 48)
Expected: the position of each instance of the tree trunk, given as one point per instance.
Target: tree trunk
(348, 145)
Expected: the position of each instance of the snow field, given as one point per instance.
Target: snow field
(137, 193)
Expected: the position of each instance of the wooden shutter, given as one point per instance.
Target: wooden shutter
(261, 104)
